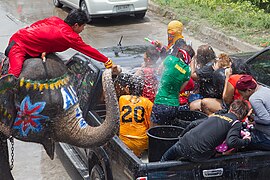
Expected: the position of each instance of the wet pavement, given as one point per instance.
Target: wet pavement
(31, 161)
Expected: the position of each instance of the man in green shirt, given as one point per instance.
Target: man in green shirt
(175, 76)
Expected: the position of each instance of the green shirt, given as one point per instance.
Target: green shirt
(175, 73)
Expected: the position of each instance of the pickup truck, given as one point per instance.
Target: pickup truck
(115, 161)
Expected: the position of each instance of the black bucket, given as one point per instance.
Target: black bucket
(160, 139)
(185, 117)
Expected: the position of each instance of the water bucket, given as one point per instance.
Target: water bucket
(185, 117)
(160, 139)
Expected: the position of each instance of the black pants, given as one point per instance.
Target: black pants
(5, 172)
(182, 151)
(173, 153)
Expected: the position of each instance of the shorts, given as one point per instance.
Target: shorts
(194, 97)
(163, 114)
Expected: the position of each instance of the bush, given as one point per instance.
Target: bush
(233, 16)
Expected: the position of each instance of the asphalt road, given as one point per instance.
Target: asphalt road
(31, 161)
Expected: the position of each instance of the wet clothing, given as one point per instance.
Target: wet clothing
(174, 75)
(150, 83)
(134, 122)
(48, 35)
(260, 102)
(172, 49)
(199, 143)
(205, 81)
(219, 82)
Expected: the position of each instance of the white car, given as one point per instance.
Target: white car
(106, 8)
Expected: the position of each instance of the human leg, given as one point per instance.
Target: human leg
(4, 160)
(211, 105)
(195, 105)
(259, 141)
(173, 153)
(16, 58)
(162, 114)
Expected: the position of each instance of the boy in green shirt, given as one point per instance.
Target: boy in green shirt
(175, 76)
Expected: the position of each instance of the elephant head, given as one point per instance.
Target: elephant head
(48, 110)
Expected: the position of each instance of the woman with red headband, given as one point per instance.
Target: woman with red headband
(259, 99)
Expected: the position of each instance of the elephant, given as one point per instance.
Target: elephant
(41, 106)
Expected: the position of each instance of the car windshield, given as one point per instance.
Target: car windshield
(260, 67)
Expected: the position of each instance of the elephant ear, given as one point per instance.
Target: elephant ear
(8, 87)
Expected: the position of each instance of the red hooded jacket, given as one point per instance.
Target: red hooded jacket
(52, 35)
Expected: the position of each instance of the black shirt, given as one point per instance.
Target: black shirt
(205, 81)
(219, 82)
(202, 140)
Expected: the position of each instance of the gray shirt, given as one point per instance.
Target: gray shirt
(260, 102)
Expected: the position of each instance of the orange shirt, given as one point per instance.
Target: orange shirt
(233, 80)
(135, 115)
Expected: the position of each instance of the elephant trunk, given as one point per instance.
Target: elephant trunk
(75, 131)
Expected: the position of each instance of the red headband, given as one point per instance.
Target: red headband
(246, 82)
(186, 56)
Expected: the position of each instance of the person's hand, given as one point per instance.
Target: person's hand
(158, 44)
(215, 66)
(43, 56)
(228, 72)
(250, 116)
(108, 64)
(116, 69)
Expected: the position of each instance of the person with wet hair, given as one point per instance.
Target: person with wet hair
(214, 103)
(175, 76)
(135, 112)
(202, 68)
(50, 35)
(259, 99)
(148, 73)
(199, 143)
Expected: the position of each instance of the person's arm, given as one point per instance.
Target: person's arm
(76, 42)
(139, 72)
(192, 125)
(228, 91)
(234, 139)
(163, 50)
(193, 70)
(148, 113)
(262, 116)
(183, 86)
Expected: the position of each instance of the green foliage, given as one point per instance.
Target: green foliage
(234, 16)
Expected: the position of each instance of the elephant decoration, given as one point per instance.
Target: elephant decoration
(41, 106)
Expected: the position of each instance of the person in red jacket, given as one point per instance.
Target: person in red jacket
(50, 35)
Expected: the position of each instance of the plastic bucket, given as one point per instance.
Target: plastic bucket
(160, 139)
(185, 117)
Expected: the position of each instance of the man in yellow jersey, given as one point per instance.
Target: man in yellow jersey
(135, 112)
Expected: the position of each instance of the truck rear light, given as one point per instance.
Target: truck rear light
(141, 178)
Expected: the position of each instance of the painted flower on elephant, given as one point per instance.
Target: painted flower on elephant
(29, 117)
